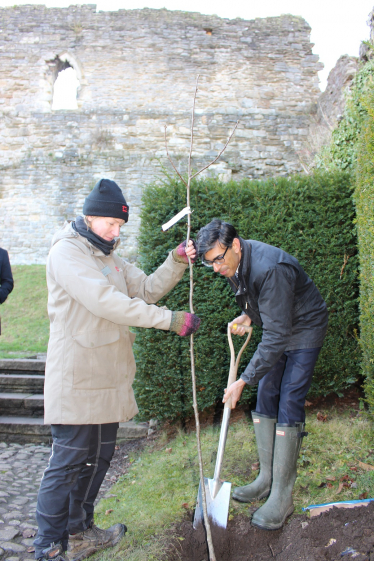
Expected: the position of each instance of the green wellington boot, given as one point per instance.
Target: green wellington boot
(260, 487)
(279, 505)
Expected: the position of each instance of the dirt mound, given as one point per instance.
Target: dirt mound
(336, 534)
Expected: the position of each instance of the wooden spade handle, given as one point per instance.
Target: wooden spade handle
(247, 328)
(234, 364)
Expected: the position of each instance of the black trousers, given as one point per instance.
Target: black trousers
(80, 458)
(281, 392)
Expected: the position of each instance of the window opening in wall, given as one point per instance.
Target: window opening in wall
(65, 90)
(65, 85)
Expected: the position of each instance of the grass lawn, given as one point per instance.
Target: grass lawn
(162, 482)
(24, 318)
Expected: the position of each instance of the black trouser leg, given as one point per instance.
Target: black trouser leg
(82, 497)
(69, 455)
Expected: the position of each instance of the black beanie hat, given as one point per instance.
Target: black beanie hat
(106, 199)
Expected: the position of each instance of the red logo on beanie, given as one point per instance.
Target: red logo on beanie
(124, 208)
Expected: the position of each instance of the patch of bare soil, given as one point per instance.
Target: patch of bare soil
(333, 535)
(350, 400)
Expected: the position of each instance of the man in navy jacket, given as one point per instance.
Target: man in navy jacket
(273, 292)
(6, 277)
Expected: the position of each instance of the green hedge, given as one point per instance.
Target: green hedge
(364, 199)
(352, 148)
(310, 217)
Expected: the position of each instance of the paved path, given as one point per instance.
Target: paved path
(21, 469)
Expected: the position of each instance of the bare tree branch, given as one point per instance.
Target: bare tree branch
(171, 161)
(223, 149)
(192, 126)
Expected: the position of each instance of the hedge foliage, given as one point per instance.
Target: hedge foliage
(352, 148)
(344, 138)
(310, 217)
(343, 150)
(364, 199)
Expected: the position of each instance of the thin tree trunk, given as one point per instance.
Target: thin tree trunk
(193, 376)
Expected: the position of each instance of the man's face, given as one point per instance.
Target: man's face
(231, 260)
(106, 227)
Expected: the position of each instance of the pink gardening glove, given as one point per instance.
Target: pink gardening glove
(184, 323)
(179, 253)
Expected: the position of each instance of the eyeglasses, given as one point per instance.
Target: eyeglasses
(217, 260)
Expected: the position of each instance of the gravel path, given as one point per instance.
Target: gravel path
(21, 469)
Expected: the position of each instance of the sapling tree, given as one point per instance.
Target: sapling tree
(187, 183)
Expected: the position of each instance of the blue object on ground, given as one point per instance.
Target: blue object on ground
(362, 501)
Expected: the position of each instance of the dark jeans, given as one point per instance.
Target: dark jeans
(281, 392)
(80, 458)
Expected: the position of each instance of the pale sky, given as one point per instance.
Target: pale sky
(338, 26)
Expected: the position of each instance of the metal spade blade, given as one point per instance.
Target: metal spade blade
(218, 507)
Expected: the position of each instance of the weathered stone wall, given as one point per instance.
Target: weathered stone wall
(137, 70)
(329, 110)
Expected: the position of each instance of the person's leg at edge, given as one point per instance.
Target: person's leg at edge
(69, 455)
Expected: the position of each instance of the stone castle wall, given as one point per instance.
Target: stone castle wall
(137, 71)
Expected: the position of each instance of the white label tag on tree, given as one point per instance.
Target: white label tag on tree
(177, 217)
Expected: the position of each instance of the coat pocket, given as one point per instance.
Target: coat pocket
(96, 359)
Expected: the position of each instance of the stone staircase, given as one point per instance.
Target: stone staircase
(22, 405)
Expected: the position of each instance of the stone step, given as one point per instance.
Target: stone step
(22, 383)
(132, 430)
(22, 366)
(23, 430)
(22, 404)
(32, 429)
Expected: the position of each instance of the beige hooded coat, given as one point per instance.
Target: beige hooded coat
(92, 301)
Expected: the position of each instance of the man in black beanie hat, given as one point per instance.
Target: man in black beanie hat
(94, 298)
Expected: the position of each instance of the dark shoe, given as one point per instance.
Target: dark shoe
(93, 539)
(260, 487)
(272, 515)
(53, 552)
